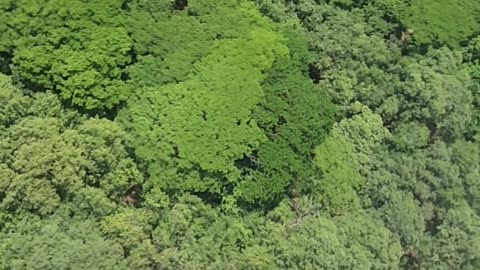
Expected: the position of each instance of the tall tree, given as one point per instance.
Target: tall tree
(55, 158)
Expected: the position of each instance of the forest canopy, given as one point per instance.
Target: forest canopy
(240, 134)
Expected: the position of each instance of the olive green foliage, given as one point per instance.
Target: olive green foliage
(53, 158)
(191, 234)
(313, 241)
(59, 244)
(455, 245)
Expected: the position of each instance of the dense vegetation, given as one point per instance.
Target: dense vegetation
(240, 134)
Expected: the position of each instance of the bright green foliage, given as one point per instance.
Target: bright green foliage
(340, 174)
(192, 115)
(58, 244)
(292, 112)
(346, 155)
(73, 47)
(442, 21)
(364, 131)
(429, 174)
(53, 157)
(186, 36)
(192, 132)
(131, 228)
